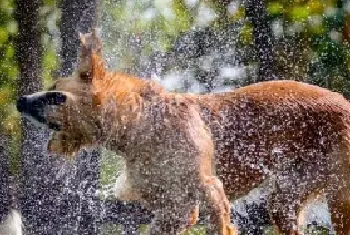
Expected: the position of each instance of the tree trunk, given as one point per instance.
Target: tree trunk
(263, 38)
(29, 51)
(78, 16)
(81, 200)
(5, 193)
(38, 191)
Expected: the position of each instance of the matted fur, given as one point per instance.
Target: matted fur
(291, 133)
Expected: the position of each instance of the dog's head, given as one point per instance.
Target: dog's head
(70, 107)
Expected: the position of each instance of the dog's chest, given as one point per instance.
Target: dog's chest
(156, 178)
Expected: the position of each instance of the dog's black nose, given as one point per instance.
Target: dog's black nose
(21, 103)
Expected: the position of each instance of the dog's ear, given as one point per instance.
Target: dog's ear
(91, 42)
(82, 38)
(96, 41)
(90, 46)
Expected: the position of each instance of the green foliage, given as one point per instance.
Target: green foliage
(9, 117)
(8, 68)
(157, 23)
(335, 20)
(331, 53)
(322, 24)
(319, 23)
(246, 35)
(275, 8)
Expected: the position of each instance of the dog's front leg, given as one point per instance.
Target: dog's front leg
(173, 219)
(123, 189)
(218, 206)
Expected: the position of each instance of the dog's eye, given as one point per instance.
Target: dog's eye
(55, 98)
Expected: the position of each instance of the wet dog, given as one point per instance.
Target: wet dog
(167, 147)
(292, 131)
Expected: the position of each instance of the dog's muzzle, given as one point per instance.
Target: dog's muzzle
(35, 105)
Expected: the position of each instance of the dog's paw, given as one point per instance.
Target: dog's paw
(231, 230)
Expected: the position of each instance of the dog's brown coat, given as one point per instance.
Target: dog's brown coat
(291, 132)
(167, 148)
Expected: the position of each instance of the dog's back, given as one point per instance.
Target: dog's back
(293, 131)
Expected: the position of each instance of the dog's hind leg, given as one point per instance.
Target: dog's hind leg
(338, 190)
(295, 184)
(283, 207)
(338, 196)
(339, 207)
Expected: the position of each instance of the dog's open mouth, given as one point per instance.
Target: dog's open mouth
(41, 121)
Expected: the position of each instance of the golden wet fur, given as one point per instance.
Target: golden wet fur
(167, 148)
(291, 132)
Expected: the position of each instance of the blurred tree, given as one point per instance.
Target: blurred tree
(76, 17)
(8, 127)
(299, 40)
(312, 42)
(8, 68)
(79, 206)
(263, 39)
(5, 193)
(33, 175)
